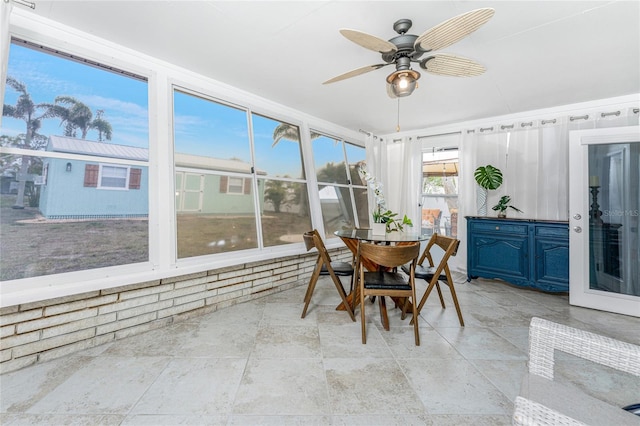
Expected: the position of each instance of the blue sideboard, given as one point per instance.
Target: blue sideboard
(524, 252)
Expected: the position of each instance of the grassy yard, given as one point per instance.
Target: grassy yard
(30, 247)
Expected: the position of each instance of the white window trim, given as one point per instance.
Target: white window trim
(229, 186)
(114, 188)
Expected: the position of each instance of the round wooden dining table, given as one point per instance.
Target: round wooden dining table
(351, 238)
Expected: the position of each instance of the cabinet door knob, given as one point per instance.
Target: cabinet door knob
(577, 216)
(577, 229)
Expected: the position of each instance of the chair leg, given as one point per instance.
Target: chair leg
(384, 318)
(343, 295)
(362, 317)
(455, 302)
(310, 288)
(440, 294)
(416, 331)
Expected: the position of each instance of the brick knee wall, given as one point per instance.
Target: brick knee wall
(49, 329)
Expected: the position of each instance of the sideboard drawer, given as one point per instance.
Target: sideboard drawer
(494, 226)
(552, 231)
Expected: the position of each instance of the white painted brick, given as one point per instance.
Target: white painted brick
(182, 292)
(19, 339)
(283, 281)
(145, 291)
(262, 281)
(226, 282)
(143, 328)
(7, 330)
(266, 268)
(129, 303)
(79, 304)
(78, 325)
(55, 342)
(130, 287)
(223, 297)
(227, 289)
(129, 322)
(5, 355)
(180, 308)
(55, 320)
(192, 282)
(233, 302)
(193, 297)
(9, 310)
(17, 364)
(18, 317)
(285, 269)
(264, 286)
(236, 274)
(140, 310)
(184, 277)
(295, 274)
(59, 300)
(195, 313)
(68, 349)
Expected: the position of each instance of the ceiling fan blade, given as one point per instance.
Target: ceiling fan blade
(368, 41)
(354, 73)
(451, 65)
(453, 30)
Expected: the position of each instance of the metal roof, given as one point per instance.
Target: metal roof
(99, 149)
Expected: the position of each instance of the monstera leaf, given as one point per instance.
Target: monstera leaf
(488, 177)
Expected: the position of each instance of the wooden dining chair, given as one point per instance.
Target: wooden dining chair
(324, 266)
(387, 281)
(433, 274)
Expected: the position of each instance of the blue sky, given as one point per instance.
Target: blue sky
(123, 99)
(202, 127)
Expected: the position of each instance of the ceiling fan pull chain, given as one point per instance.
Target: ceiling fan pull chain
(398, 120)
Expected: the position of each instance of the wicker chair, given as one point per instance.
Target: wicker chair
(543, 401)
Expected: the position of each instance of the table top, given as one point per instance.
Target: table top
(393, 237)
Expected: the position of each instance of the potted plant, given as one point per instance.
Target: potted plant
(487, 177)
(503, 205)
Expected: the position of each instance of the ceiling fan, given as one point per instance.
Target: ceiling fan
(404, 49)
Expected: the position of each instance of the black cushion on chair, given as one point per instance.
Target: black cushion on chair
(385, 280)
(343, 269)
(424, 273)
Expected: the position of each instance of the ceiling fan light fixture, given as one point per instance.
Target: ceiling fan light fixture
(403, 82)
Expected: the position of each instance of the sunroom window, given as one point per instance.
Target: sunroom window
(85, 130)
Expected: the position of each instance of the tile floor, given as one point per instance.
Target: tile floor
(260, 363)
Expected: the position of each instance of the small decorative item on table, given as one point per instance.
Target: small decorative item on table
(384, 220)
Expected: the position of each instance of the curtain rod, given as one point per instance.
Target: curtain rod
(367, 133)
(29, 4)
(439, 134)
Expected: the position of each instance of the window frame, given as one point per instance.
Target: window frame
(101, 176)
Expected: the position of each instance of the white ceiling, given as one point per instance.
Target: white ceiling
(538, 54)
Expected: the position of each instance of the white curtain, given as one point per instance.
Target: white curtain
(397, 166)
(5, 40)
(404, 178)
(534, 159)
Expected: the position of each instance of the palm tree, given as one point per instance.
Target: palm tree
(25, 109)
(102, 126)
(289, 132)
(74, 115)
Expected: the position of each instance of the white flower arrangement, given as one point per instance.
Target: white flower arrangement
(381, 214)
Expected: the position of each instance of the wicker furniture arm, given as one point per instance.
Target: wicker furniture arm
(546, 336)
(543, 401)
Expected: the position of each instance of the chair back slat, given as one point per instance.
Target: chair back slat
(390, 256)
